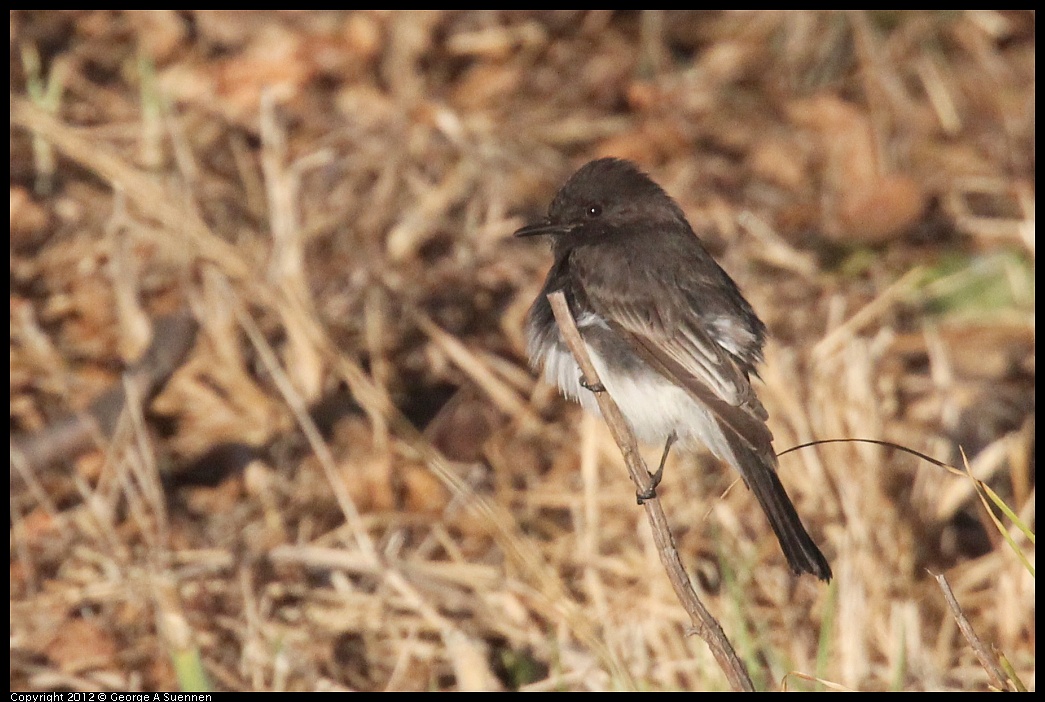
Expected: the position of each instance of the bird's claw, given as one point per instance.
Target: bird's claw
(655, 478)
(592, 387)
(651, 492)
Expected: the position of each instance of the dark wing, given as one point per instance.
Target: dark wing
(669, 333)
(664, 325)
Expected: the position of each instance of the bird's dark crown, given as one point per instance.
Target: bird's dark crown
(614, 189)
(601, 197)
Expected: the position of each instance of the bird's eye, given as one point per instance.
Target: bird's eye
(593, 210)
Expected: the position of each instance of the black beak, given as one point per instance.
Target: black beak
(541, 228)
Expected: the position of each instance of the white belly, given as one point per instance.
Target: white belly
(652, 405)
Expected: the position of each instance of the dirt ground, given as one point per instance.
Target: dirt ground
(272, 422)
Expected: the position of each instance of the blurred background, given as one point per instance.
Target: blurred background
(336, 471)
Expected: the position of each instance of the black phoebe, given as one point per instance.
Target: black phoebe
(671, 336)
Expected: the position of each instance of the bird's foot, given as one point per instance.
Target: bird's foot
(655, 478)
(592, 387)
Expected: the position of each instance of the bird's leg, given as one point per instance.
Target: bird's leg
(651, 492)
(591, 387)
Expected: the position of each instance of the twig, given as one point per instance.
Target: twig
(173, 337)
(704, 624)
(995, 673)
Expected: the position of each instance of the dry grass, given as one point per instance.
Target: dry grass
(354, 482)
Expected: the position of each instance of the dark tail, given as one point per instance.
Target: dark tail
(798, 546)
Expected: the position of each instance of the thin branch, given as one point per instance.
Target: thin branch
(704, 624)
(173, 337)
(990, 664)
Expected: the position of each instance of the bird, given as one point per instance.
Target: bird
(673, 339)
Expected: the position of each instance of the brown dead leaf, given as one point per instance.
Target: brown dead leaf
(277, 62)
(649, 144)
(89, 465)
(462, 426)
(780, 161)
(845, 137)
(365, 469)
(880, 213)
(29, 220)
(38, 525)
(362, 33)
(423, 493)
(81, 644)
(160, 33)
(485, 85)
(864, 203)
